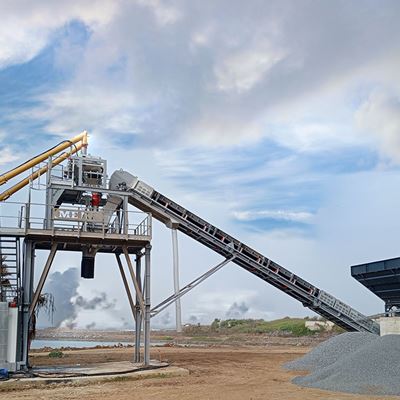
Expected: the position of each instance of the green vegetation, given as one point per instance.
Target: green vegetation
(290, 326)
(166, 338)
(56, 354)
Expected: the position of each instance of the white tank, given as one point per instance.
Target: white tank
(3, 334)
(12, 338)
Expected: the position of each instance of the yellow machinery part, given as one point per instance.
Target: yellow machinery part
(9, 192)
(82, 137)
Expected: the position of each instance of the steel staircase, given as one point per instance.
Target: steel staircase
(10, 269)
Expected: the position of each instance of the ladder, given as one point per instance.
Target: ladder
(165, 210)
(10, 287)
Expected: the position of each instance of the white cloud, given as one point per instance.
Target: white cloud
(279, 215)
(7, 155)
(379, 116)
(242, 70)
(26, 28)
(217, 74)
(68, 111)
(164, 13)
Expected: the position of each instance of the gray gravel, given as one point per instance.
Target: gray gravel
(331, 350)
(373, 368)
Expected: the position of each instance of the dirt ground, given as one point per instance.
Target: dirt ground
(215, 373)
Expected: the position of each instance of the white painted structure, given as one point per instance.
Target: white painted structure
(8, 336)
(12, 338)
(389, 325)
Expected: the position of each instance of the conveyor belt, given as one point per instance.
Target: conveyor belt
(162, 208)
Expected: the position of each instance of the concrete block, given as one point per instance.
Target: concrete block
(390, 325)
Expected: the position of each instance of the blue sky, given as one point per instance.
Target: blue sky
(271, 119)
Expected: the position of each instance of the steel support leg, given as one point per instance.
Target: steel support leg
(27, 285)
(43, 278)
(138, 315)
(126, 285)
(135, 283)
(175, 256)
(147, 306)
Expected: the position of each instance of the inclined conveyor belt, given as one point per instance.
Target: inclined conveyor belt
(167, 211)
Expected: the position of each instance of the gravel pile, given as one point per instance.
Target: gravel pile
(331, 350)
(372, 368)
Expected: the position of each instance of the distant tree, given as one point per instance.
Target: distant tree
(45, 302)
(215, 325)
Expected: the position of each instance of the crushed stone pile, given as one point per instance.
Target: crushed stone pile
(331, 350)
(371, 368)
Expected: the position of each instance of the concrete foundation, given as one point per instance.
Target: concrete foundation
(390, 325)
(93, 375)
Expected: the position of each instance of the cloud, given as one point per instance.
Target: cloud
(102, 113)
(27, 28)
(223, 73)
(294, 216)
(242, 70)
(164, 13)
(7, 155)
(379, 116)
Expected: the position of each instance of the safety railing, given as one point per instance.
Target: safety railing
(24, 217)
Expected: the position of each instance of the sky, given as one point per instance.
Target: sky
(278, 121)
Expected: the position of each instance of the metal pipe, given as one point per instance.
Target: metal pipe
(175, 257)
(9, 192)
(128, 291)
(84, 143)
(147, 309)
(82, 137)
(49, 194)
(43, 278)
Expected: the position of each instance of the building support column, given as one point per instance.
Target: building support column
(147, 305)
(175, 257)
(27, 284)
(138, 315)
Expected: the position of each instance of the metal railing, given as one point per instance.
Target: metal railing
(26, 217)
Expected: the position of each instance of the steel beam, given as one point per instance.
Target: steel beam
(126, 285)
(43, 278)
(171, 299)
(135, 282)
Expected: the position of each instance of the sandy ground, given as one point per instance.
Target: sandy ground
(215, 373)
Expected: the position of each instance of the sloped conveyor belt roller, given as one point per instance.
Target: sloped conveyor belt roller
(162, 208)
